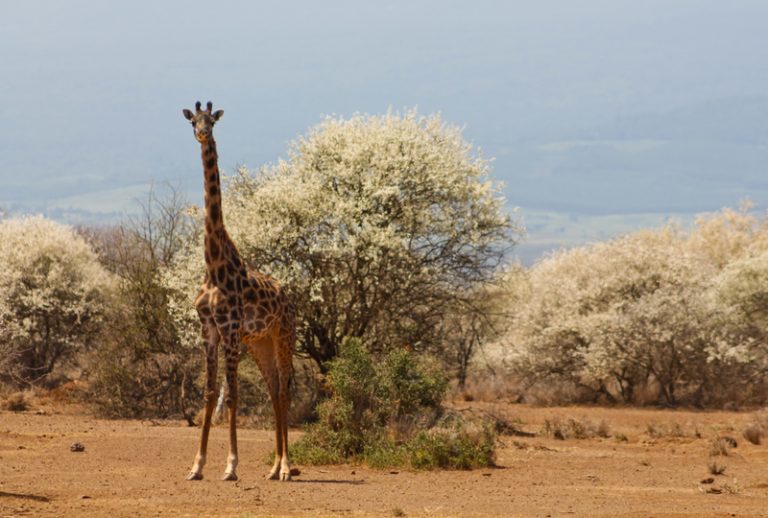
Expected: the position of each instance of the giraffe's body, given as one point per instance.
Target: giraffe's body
(239, 306)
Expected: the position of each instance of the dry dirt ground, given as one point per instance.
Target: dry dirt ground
(652, 465)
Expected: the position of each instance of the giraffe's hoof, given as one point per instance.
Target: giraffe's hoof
(285, 476)
(194, 476)
(229, 476)
(274, 473)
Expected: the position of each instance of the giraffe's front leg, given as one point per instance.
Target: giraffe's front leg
(232, 361)
(211, 336)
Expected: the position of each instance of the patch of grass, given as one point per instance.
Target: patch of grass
(728, 489)
(753, 433)
(654, 430)
(309, 453)
(386, 454)
(575, 429)
(758, 428)
(602, 429)
(719, 447)
(455, 444)
(504, 425)
(715, 468)
(661, 430)
(480, 386)
(17, 402)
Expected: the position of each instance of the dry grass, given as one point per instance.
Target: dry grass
(69, 392)
(758, 428)
(715, 468)
(754, 433)
(662, 430)
(17, 402)
(719, 447)
(481, 386)
(503, 422)
(575, 428)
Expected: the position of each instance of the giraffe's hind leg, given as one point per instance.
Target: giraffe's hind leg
(263, 352)
(284, 361)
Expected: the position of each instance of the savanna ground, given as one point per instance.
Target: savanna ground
(652, 463)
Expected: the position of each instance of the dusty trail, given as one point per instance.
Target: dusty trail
(135, 468)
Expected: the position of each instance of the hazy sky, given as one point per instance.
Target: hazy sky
(602, 115)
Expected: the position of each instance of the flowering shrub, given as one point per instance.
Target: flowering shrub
(661, 316)
(53, 298)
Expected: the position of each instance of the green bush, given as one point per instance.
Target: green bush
(388, 413)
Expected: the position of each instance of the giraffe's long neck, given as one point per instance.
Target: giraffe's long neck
(217, 242)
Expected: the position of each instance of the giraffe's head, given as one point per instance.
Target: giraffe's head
(203, 120)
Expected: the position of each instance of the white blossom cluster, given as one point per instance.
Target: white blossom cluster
(370, 223)
(53, 294)
(665, 312)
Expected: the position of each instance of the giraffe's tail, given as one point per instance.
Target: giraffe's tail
(219, 412)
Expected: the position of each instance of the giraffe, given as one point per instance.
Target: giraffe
(239, 306)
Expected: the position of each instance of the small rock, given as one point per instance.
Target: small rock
(85, 497)
(394, 472)
(708, 481)
(77, 447)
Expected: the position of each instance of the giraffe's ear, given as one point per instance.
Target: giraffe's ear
(187, 114)
(218, 114)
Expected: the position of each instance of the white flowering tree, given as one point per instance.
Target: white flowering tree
(53, 296)
(666, 314)
(741, 290)
(620, 316)
(377, 225)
